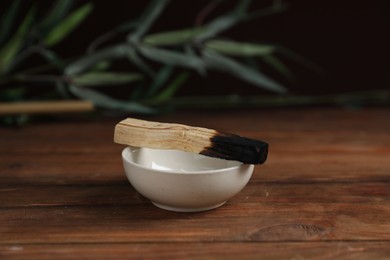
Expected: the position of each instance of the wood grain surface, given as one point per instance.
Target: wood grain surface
(323, 193)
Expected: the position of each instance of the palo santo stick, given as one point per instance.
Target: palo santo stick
(140, 133)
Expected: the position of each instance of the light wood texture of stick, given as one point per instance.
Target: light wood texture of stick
(45, 107)
(212, 143)
(141, 133)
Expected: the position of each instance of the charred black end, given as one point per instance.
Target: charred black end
(237, 148)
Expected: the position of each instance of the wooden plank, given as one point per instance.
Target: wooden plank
(81, 167)
(314, 250)
(234, 222)
(315, 145)
(65, 169)
(293, 157)
(321, 141)
(362, 122)
(122, 194)
(323, 193)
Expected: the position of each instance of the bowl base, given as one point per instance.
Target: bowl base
(170, 208)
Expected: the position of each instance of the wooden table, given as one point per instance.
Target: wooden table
(324, 192)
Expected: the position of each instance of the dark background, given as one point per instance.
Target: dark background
(348, 39)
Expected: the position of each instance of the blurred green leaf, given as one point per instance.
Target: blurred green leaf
(62, 89)
(101, 65)
(68, 25)
(161, 78)
(224, 22)
(52, 58)
(219, 62)
(57, 13)
(239, 48)
(142, 25)
(171, 57)
(154, 9)
(278, 65)
(134, 57)
(109, 35)
(277, 7)
(190, 51)
(12, 47)
(84, 63)
(301, 60)
(8, 19)
(104, 101)
(171, 89)
(105, 78)
(172, 37)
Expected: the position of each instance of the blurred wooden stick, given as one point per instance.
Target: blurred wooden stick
(45, 107)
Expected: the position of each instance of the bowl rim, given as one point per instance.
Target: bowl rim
(125, 158)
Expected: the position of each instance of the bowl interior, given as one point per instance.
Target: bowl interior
(176, 161)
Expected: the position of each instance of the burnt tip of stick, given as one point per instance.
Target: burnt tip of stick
(237, 148)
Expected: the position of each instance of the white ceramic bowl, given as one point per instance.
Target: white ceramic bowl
(182, 181)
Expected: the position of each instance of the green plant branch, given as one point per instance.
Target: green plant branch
(156, 56)
(151, 14)
(95, 44)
